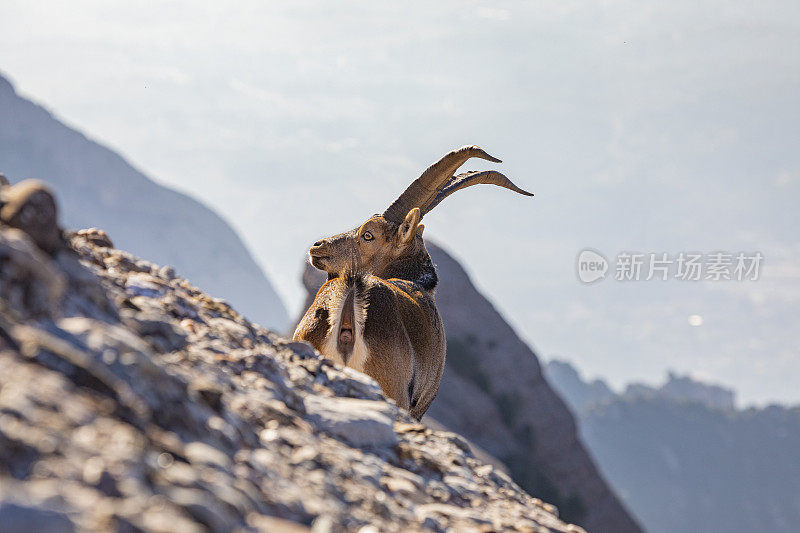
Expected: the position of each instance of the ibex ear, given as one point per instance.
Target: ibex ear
(408, 229)
(420, 229)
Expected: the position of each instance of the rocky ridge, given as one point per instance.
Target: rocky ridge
(131, 400)
(493, 393)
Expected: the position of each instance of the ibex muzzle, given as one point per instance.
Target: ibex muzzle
(377, 313)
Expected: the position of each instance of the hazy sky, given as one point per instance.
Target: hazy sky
(649, 126)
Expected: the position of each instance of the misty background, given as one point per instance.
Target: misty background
(639, 126)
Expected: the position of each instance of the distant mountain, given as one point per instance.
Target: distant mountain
(97, 187)
(493, 392)
(578, 394)
(683, 458)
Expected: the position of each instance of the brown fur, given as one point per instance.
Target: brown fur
(377, 313)
(382, 289)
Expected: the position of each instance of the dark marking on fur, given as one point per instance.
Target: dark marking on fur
(418, 269)
(411, 398)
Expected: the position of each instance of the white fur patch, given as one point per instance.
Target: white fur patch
(358, 358)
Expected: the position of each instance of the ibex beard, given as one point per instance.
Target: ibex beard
(377, 312)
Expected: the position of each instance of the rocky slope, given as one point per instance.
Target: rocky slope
(131, 400)
(685, 459)
(97, 187)
(494, 394)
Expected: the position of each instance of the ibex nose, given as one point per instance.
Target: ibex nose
(319, 248)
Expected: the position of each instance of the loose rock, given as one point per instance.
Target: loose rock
(130, 400)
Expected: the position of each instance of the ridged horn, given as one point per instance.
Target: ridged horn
(468, 179)
(424, 189)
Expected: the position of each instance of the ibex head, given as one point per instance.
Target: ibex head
(370, 247)
(392, 242)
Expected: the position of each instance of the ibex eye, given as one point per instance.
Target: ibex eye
(367, 236)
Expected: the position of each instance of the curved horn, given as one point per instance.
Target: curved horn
(425, 188)
(468, 179)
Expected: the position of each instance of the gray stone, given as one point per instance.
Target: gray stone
(200, 452)
(20, 519)
(29, 206)
(117, 412)
(30, 281)
(362, 423)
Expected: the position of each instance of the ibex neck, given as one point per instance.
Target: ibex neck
(417, 268)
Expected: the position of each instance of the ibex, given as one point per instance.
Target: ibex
(377, 313)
